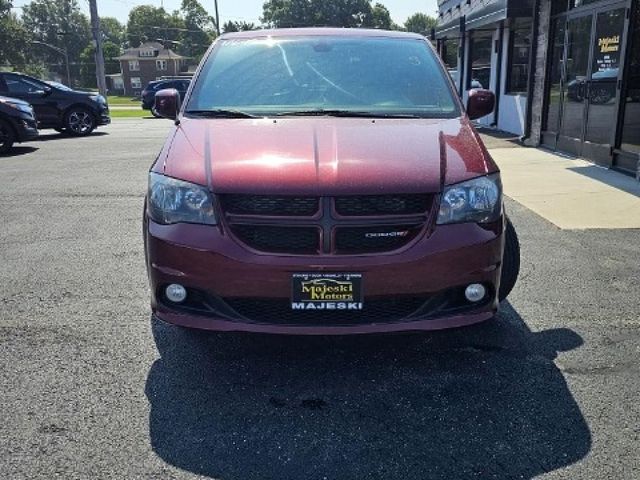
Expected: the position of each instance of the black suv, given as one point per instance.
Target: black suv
(148, 95)
(57, 106)
(17, 123)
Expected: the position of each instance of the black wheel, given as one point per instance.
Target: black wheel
(510, 262)
(79, 122)
(7, 137)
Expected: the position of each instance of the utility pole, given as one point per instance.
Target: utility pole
(97, 36)
(217, 17)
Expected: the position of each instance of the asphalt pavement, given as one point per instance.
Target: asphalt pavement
(93, 388)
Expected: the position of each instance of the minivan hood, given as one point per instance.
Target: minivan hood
(324, 156)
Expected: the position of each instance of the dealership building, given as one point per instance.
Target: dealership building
(566, 72)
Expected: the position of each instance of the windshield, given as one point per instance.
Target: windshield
(277, 76)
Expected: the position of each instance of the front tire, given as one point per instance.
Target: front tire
(79, 122)
(7, 137)
(510, 262)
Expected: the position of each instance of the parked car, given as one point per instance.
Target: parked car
(602, 87)
(326, 181)
(148, 95)
(63, 109)
(17, 123)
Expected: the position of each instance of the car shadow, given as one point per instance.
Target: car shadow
(17, 151)
(52, 135)
(480, 402)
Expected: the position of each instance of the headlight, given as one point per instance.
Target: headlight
(478, 200)
(98, 98)
(175, 201)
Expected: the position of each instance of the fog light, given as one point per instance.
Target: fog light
(176, 293)
(475, 292)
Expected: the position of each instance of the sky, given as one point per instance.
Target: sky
(243, 10)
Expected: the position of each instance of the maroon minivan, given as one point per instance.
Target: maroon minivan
(325, 181)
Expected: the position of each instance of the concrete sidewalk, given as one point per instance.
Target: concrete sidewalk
(570, 193)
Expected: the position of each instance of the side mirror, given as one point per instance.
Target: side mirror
(167, 103)
(480, 103)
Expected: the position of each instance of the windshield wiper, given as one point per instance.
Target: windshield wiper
(320, 112)
(221, 113)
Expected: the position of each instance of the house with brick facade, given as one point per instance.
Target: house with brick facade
(148, 62)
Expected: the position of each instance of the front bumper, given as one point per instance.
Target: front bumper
(103, 117)
(148, 102)
(207, 261)
(26, 129)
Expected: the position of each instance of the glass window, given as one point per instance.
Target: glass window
(450, 49)
(554, 92)
(134, 65)
(278, 75)
(581, 3)
(559, 6)
(481, 49)
(19, 85)
(136, 83)
(161, 64)
(519, 55)
(631, 99)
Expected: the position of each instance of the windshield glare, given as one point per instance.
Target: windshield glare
(385, 76)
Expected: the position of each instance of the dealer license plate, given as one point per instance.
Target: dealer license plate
(326, 291)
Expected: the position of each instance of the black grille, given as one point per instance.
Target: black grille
(295, 240)
(370, 205)
(279, 312)
(373, 239)
(270, 205)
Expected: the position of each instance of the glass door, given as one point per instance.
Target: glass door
(574, 91)
(554, 85)
(628, 157)
(585, 63)
(602, 87)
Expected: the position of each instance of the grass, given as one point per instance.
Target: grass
(117, 100)
(139, 113)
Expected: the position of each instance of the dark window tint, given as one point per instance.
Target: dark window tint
(21, 85)
(519, 55)
(559, 6)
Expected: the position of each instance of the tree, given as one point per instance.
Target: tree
(420, 23)
(232, 26)
(149, 24)
(14, 38)
(381, 18)
(60, 23)
(113, 31)
(88, 64)
(199, 29)
(308, 13)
